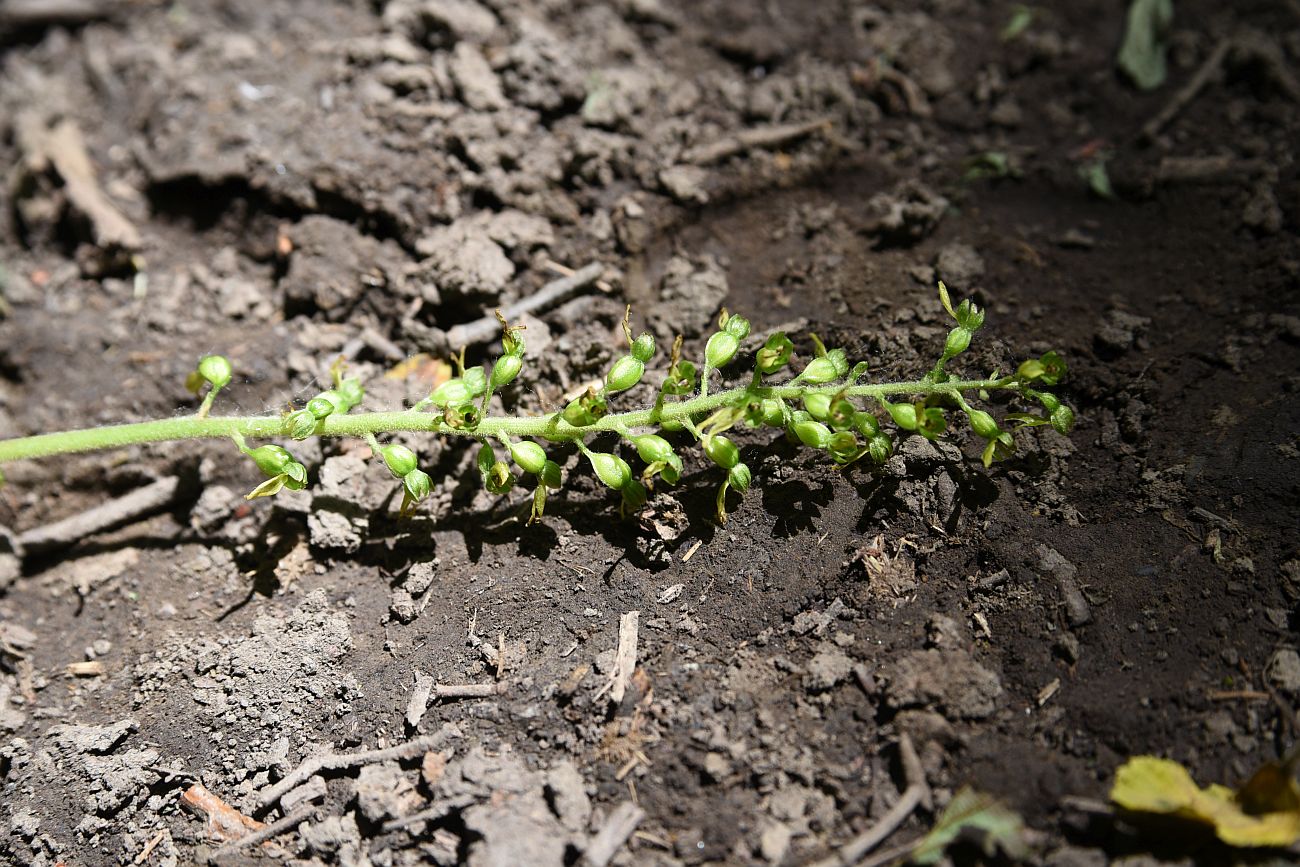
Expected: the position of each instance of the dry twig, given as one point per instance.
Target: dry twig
(128, 507)
(750, 139)
(267, 832)
(613, 834)
(916, 793)
(340, 761)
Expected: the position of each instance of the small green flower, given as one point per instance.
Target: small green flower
(550, 475)
(999, 448)
(416, 485)
(774, 355)
(681, 379)
(826, 368)
(881, 447)
(931, 422)
(634, 496)
(585, 410)
(351, 392)
(844, 447)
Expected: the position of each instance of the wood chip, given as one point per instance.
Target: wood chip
(94, 668)
(224, 822)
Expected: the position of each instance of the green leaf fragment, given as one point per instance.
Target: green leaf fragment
(1142, 56)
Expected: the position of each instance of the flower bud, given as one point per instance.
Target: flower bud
(739, 478)
(398, 458)
(957, 343)
(300, 424)
(505, 370)
(453, 392)
(671, 472)
(612, 470)
(271, 459)
(326, 403)
(652, 448)
(625, 373)
(999, 448)
(295, 476)
(842, 414)
(969, 316)
(216, 370)
(720, 349)
(983, 424)
(818, 405)
(774, 355)
(812, 433)
(828, 368)
(530, 456)
(721, 451)
(903, 414)
(643, 347)
(737, 327)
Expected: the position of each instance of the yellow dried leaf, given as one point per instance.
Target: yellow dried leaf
(422, 367)
(1147, 784)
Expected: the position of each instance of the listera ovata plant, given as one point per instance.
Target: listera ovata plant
(825, 406)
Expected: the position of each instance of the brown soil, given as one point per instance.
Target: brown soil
(298, 181)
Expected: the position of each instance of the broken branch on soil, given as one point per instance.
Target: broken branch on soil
(488, 327)
(613, 834)
(265, 833)
(625, 658)
(136, 504)
(751, 139)
(343, 761)
(1254, 47)
(916, 793)
(62, 148)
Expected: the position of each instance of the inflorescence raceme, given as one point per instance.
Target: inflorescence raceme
(825, 406)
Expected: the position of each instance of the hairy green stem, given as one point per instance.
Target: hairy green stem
(549, 427)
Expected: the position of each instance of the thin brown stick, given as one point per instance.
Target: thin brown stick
(484, 329)
(917, 792)
(751, 139)
(340, 761)
(469, 690)
(1183, 98)
(272, 830)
